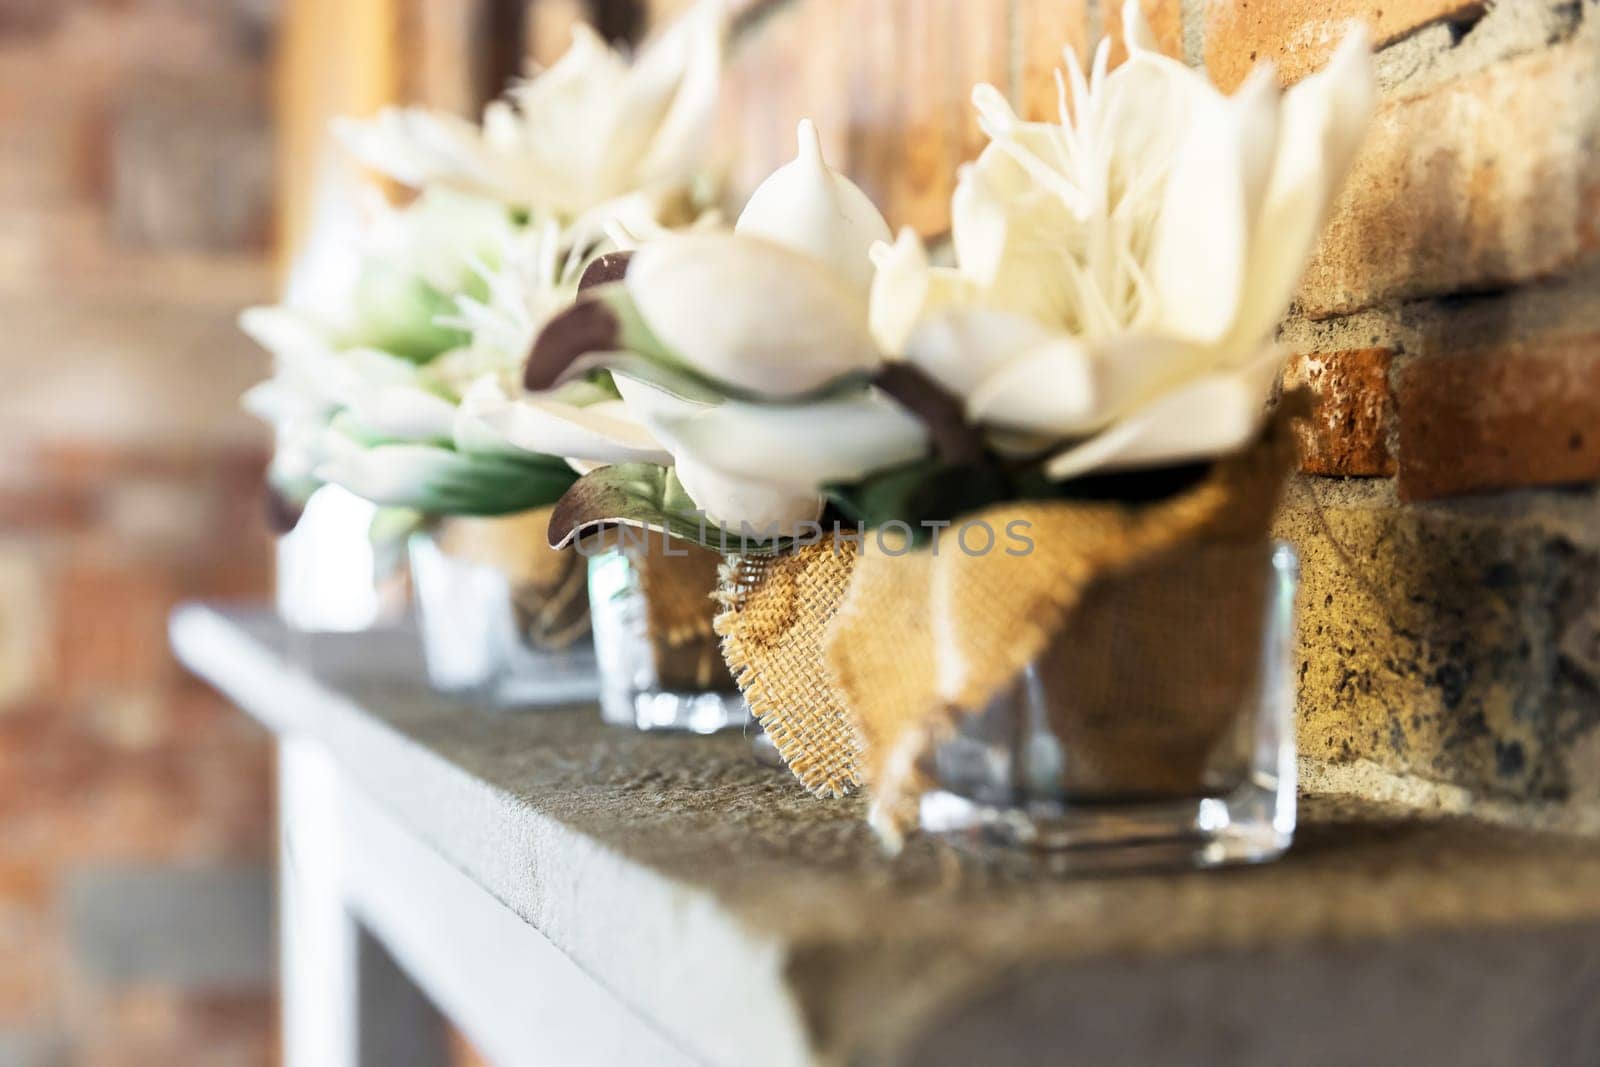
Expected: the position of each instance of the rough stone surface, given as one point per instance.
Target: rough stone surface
(1527, 414)
(884, 953)
(1349, 433)
(1488, 180)
(1459, 643)
(1298, 36)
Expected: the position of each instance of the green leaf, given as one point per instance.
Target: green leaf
(642, 495)
(927, 490)
(502, 485)
(438, 481)
(397, 312)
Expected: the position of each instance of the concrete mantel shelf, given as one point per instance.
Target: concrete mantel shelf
(725, 916)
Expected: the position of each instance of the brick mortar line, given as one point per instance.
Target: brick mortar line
(1192, 30)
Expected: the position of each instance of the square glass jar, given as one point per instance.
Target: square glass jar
(1156, 730)
(661, 666)
(490, 634)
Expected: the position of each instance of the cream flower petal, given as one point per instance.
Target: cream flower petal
(387, 475)
(750, 313)
(1208, 416)
(288, 335)
(587, 131)
(418, 148)
(276, 401)
(809, 207)
(1200, 261)
(803, 447)
(678, 143)
(960, 349)
(404, 413)
(307, 363)
(906, 290)
(604, 432)
(1323, 119)
(746, 505)
(649, 404)
(1048, 388)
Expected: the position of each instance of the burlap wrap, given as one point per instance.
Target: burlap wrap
(678, 587)
(858, 663)
(775, 610)
(549, 591)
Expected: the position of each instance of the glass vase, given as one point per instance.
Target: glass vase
(495, 628)
(1156, 730)
(329, 578)
(661, 666)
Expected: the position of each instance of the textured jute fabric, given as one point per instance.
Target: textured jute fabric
(859, 662)
(775, 609)
(1148, 682)
(978, 620)
(678, 583)
(549, 590)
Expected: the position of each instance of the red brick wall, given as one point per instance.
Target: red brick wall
(1450, 322)
(134, 166)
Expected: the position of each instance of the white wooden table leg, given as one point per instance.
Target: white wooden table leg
(345, 1002)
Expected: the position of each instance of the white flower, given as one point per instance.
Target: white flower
(592, 131)
(579, 422)
(585, 424)
(1120, 273)
(727, 336)
(416, 263)
(384, 422)
(808, 206)
(749, 313)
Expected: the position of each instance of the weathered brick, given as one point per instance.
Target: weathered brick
(1046, 28)
(888, 83)
(1299, 35)
(1349, 434)
(1500, 418)
(159, 1024)
(32, 948)
(110, 619)
(192, 170)
(1485, 181)
(788, 67)
(1458, 644)
(1165, 18)
(927, 63)
(25, 624)
(71, 791)
(983, 55)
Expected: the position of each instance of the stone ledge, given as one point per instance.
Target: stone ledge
(719, 899)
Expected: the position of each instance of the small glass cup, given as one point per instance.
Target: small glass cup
(661, 667)
(329, 577)
(1157, 730)
(496, 640)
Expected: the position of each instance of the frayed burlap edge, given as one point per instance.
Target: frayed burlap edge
(774, 613)
(963, 626)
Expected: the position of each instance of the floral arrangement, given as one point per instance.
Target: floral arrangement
(1118, 276)
(396, 393)
(1090, 366)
